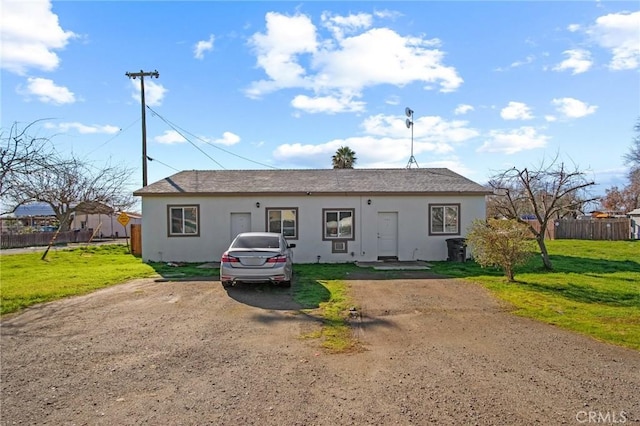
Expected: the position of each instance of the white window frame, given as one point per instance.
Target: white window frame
(340, 235)
(182, 208)
(446, 228)
(282, 227)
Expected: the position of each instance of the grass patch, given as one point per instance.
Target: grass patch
(594, 288)
(28, 280)
(320, 289)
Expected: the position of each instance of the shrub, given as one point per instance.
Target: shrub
(505, 243)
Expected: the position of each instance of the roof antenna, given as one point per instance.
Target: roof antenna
(409, 122)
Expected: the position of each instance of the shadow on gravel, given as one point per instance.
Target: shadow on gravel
(264, 296)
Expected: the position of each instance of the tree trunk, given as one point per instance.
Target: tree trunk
(543, 251)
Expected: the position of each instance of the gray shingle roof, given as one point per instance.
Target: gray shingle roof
(320, 181)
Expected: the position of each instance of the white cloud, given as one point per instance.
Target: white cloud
(619, 33)
(529, 59)
(48, 92)
(170, 137)
(579, 61)
(574, 27)
(341, 25)
(203, 46)
(386, 143)
(326, 104)
(573, 108)
(227, 139)
(153, 92)
(512, 141)
(550, 118)
(293, 55)
(463, 109)
(83, 128)
(516, 111)
(30, 36)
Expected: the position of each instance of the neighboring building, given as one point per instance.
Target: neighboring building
(332, 215)
(635, 223)
(106, 224)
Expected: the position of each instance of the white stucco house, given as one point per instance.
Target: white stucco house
(332, 215)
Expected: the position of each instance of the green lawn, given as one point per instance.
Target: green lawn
(594, 288)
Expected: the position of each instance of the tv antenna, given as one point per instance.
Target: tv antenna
(409, 122)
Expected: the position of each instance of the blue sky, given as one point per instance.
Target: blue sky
(254, 85)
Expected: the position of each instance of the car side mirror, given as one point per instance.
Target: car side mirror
(292, 246)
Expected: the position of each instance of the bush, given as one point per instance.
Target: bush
(500, 242)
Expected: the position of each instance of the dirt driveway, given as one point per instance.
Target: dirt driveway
(189, 353)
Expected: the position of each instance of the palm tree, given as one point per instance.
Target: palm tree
(344, 158)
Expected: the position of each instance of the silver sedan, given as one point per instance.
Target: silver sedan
(257, 257)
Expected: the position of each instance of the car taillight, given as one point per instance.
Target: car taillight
(277, 259)
(229, 259)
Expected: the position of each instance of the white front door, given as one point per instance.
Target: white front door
(387, 234)
(240, 222)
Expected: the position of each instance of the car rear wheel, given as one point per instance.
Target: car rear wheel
(227, 284)
(285, 283)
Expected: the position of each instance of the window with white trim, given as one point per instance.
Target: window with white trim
(338, 224)
(444, 219)
(283, 221)
(184, 220)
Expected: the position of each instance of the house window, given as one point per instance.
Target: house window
(338, 224)
(444, 219)
(283, 221)
(183, 221)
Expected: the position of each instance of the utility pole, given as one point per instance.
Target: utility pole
(142, 75)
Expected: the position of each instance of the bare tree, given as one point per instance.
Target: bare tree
(20, 154)
(632, 158)
(627, 198)
(546, 193)
(69, 185)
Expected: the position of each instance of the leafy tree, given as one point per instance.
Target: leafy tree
(500, 242)
(344, 158)
(70, 185)
(545, 193)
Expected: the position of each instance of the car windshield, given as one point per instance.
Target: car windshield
(256, 242)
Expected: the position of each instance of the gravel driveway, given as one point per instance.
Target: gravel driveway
(190, 353)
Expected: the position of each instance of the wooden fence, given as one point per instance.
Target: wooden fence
(587, 229)
(43, 238)
(136, 239)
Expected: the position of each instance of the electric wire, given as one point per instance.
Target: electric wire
(120, 131)
(181, 131)
(185, 138)
(158, 161)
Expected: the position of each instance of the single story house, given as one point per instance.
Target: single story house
(332, 215)
(106, 223)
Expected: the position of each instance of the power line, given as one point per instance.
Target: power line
(122, 130)
(176, 127)
(187, 139)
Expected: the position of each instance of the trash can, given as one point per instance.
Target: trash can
(456, 249)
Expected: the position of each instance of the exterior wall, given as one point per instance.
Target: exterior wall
(413, 240)
(110, 226)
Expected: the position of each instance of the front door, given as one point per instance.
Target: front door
(388, 235)
(240, 222)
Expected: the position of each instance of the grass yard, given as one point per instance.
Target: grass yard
(26, 280)
(594, 288)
